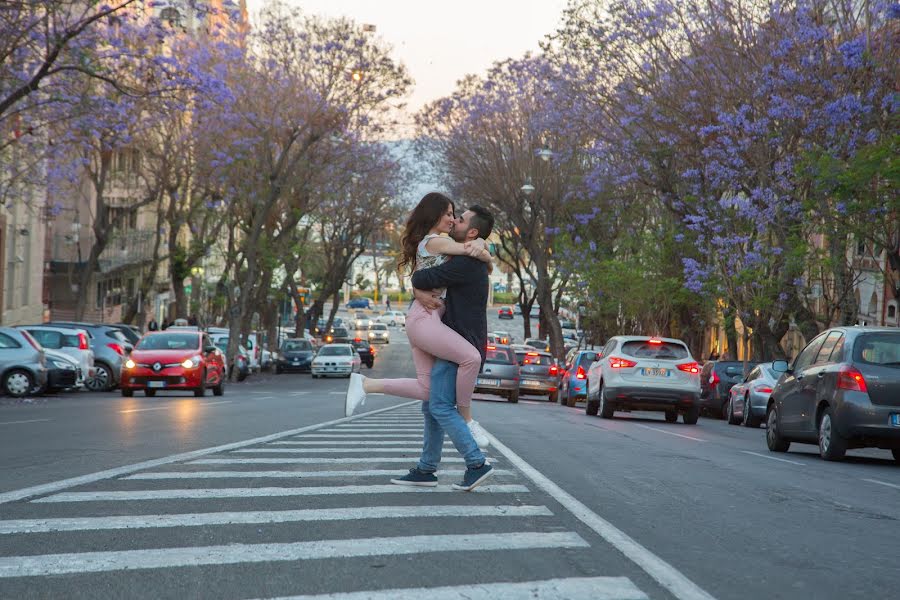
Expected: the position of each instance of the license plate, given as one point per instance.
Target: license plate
(296, 362)
(531, 383)
(482, 381)
(895, 419)
(655, 372)
(156, 384)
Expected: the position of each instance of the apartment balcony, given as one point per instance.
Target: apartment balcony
(132, 247)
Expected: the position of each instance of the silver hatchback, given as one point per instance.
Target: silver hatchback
(23, 366)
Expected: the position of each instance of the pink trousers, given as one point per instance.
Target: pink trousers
(430, 338)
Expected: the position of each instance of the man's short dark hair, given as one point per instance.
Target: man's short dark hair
(482, 220)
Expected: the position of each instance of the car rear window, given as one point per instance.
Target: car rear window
(881, 348)
(335, 351)
(170, 341)
(534, 358)
(733, 369)
(297, 345)
(661, 350)
(499, 356)
(587, 359)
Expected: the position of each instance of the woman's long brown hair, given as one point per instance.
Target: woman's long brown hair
(424, 216)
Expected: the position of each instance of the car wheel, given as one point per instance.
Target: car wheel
(591, 406)
(241, 376)
(102, 379)
(127, 393)
(832, 446)
(554, 397)
(671, 416)
(220, 389)
(149, 393)
(749, 420)
(774, 441)
(896, 454)
(278, 370)
(607, 410)
(370, 364)
(732, 420)
(564, 396)
(513, 397)
(18, 383)
(199, 392)
(691, 416)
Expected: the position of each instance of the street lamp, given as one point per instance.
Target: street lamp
(545, 154)
(527, 188)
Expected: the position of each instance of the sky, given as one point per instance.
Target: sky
(440, 42)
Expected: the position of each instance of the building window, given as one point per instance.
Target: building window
(171, 16)
(892, 311)
(109, 293)
(861, 248)
(873, 304)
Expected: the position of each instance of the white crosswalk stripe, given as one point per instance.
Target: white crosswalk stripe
(359, 454)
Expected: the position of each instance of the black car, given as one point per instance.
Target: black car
(716, 380)
(337, 335)
(295, 354)
(841, 392)
(365, 351)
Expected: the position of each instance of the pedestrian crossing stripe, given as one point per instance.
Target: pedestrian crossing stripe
(281, 460)
(162, 475)
(327, 450)
(342, 443)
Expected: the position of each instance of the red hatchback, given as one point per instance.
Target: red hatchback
(169, 360)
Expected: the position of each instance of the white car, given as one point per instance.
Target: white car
(645, 373)
(393, 318)
(335, 359)
(72, 342)
(378, 332)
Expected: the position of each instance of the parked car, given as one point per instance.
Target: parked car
(336, 359)
(393, 318)
(240, 366)
(538, 344)
(538, 374)
(716, 379)
(366, 352)
(174, 360)
(63, 372)
(503, 338)
(535, 311)
(110, 350)
(645, 373)
(499, 374)
(378, 333)
(574, 377)
(72, 342)
(747, 400)
(23, 366)
(132, 334)
(295, 354)
(841, 392)
(505, 312)
(360, 303)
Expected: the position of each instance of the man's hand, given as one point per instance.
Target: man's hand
(476, 248)
(428, 300)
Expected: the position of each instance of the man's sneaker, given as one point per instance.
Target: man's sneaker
(356, 395)
(479, 434)
(417, 478)
(474, 477)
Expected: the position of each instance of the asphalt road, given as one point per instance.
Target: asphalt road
(257, 494)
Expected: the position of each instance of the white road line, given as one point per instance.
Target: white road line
(891, 485)
(784, 460)
(161, 475)
(575, 588)
(344, 443)
(326, 450)
(171, 406)
(98, 562)
(28, 421)
(276, 460)
(46, 488)
(275, 516)
(364, 425)
(372, 429)
(353, 436)
(687, 437)
(264, 397)
(270, 492)
(665, 574)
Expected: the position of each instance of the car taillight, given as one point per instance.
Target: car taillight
(117, 348)
(492, 347)
(654, 341)
(82, 341)
(763, 390)
(580, 374)
(621, 363)
(714, 379)
(372, 349)
(690, 367)
(851, 379)
(554, 370)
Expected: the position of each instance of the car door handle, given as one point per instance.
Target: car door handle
(821, 375)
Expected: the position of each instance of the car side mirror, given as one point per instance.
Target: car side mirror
(128, 348)
(209, 349)
(780, 366)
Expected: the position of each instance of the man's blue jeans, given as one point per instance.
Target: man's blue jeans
(442, 417)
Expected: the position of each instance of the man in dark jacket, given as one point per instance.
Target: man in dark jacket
(466, 280)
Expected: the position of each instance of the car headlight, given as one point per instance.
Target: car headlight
(191, 363)
(63, 365)
(129, 364)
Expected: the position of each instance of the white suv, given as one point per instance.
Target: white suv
(645, 373)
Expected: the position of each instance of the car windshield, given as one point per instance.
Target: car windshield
(499, 356)
(378, 327)
(881, 348)
(296, 345)
(340, 332)
(655, 350)
(170, 341)
(334, 351)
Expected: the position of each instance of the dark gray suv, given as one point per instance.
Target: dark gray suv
(841, 392)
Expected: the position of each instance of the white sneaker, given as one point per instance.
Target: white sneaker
(479, 434)
(356, 394)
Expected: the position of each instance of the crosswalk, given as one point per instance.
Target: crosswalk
(306, 515)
